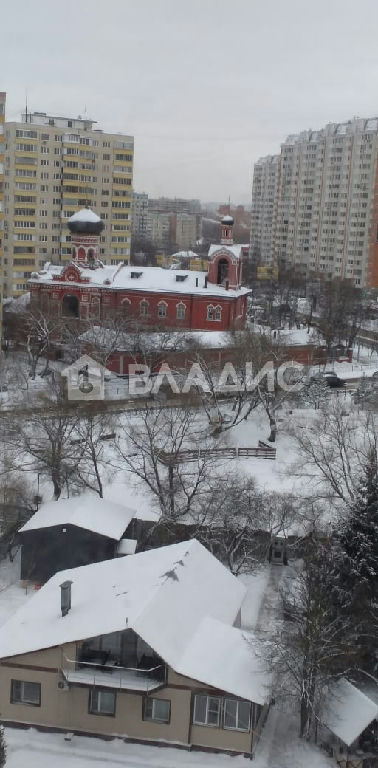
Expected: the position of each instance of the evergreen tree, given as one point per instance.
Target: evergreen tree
(357, 562)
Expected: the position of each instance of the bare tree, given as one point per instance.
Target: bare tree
(44, 440)
(41, 331)
(334, 447)
(341, 313)
(149, 445)
(94, 433)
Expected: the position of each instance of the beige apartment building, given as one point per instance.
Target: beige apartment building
(53, 167)
(315, 206)
(2, 118)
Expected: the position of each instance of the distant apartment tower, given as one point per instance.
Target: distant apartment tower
(2, 119)
(159, 229)
(140, 214)
(315, 206)
(53, 167)
(174, 205)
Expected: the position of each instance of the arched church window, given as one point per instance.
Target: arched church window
(70, 306)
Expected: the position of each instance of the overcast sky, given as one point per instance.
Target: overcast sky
(205, 86)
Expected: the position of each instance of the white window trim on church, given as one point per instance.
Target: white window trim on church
(214, 313)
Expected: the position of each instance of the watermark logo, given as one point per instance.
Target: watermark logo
(289, 377)
(85, 379)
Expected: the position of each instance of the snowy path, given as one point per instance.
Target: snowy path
(12, 595)
(280, 747)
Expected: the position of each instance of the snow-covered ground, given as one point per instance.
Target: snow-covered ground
(12, 594)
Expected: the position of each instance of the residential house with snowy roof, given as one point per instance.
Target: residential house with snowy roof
(89, 291)
(147, 647)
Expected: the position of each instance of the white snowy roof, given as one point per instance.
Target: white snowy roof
(348, 711)
(127, 547)
(227, 658)
(86, 214)
(235, 250)
(185, 255)
(179, 599)
(145, 342)
(152, 279)
(87, 511)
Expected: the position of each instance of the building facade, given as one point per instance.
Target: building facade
(54, 166)
(140, 214)
(315, 206)
(2, 120)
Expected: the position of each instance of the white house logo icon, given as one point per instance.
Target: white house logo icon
(85, 379)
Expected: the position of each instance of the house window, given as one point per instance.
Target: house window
(180, 311)
(162, 309)
(157, 709)
(25, 693)
(144, 308)
(218, 313)
(207, 710)
(236, 714)
(210, 312)
(102, 702)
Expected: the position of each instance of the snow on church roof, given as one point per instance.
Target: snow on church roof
(151, 279)
(235, 249)
(348, 711)
(86, 214)
(179, 599)
(87, 511)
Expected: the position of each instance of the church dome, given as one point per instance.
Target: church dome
(227, 220)
(86, 221)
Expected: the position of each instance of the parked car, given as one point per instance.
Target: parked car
(331, 379)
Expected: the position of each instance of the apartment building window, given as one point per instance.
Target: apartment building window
(26, 147)
(44, 136)
(26, 134)
(102, 702)
(207, 710)
(106, 157)
(158, 710)
(44, 150)
(44, 162)
(25, 692)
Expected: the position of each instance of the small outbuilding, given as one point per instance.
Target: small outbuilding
(72, 532)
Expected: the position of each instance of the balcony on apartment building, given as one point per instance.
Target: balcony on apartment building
(120, 660)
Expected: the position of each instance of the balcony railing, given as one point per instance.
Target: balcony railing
(111, 675)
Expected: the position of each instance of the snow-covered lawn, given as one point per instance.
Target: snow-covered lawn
(279, 747)
(44, 750)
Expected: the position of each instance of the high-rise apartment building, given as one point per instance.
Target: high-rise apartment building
(140, 214)
(2, 119)
(315, 206)
(174, 205)
(53, 167)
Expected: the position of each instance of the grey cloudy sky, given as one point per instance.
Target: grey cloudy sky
(205, 86)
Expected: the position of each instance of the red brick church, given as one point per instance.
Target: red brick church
(91, 291)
